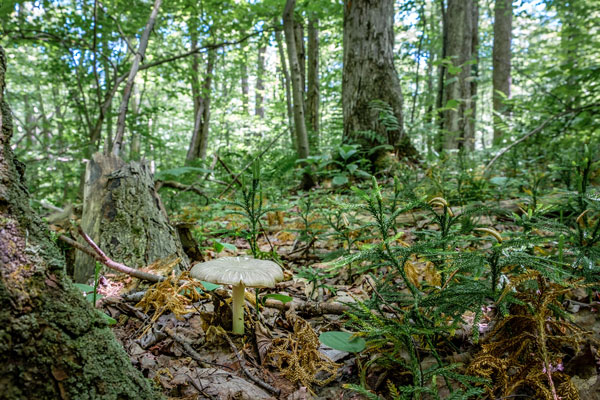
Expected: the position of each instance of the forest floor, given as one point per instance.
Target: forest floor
(189, 355)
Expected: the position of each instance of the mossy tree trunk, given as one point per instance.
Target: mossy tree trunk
(123, 214)
(53, 344)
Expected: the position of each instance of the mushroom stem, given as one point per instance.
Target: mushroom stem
(238, 309)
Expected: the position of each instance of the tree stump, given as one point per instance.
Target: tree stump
(53, 344)
(123, 214)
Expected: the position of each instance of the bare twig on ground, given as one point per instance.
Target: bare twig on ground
(242, 362)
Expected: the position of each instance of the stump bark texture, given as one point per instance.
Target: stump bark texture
(123, 214)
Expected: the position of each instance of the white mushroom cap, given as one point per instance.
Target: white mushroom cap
(247, 271)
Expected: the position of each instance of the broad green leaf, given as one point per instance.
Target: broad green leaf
(90, 297)
(343, 341)
(109, 319)
(339, 180)
(281, 297)
(83, 287)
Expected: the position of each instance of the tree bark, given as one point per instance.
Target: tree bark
(313, 94)
(244, 82)
(458, 98)
(199, 141)
(123, 214)
(259, 109)
(441, 77)
(299, 123)
(287, 85)
(369, 74)
(501, 58)
(53, 344)
(116, 150)
(301, 54)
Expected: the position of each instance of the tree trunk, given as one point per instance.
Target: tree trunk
(501, 59)
(244, 82)
(116, 150)
(441, 78)
(259, 110)
(135, 149)
(458, 99)
(301, 54)
(369, 74)
(287, 84)
(123, 214)
(313, 95)
(299, 123)
(474, 71)
(53, 344)
(199, 141)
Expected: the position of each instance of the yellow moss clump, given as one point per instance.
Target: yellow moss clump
(299, 358)
(175, 294)
(525, 348)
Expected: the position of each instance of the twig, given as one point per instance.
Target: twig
(178, 185)
(235, 177)
(99, 255)
(537, 130)
(254, 379)
(199, 388)
(188, 348)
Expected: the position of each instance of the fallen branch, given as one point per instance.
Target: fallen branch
(179, 186)
(309, 307)
(254, 379)
(99, 255)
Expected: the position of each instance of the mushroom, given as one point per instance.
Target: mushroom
(238, 272)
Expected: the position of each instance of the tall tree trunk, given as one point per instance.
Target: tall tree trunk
(244, 82)
(116, 150)
(369, 74)
(136, 140)
(287, 85)
(301, 53)
(441, 77)
(501, 58)
(458, 98)
(53, 344)
(313, 94)
(474, 75)
(259, 109)
(299, 123)
(199, 141)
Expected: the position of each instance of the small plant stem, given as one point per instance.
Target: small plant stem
(547, 366)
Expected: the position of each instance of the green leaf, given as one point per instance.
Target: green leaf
(218, 246)
(340, 180)
(109, 319)
(83, 287)
(352, 167)
(209, 287)
(281, 297)
(343, 341)
(90, 297)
